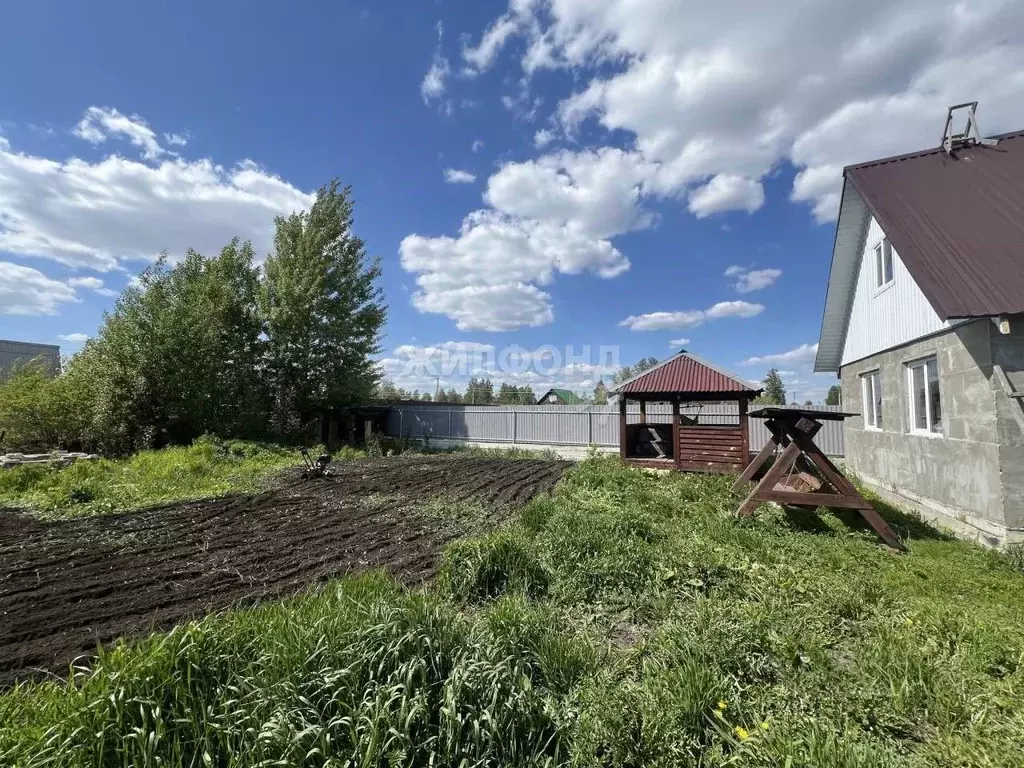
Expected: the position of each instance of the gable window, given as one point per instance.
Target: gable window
(883, 263)
(871, 391)
(925, 402)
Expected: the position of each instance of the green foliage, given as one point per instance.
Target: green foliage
(627, 372)
(37, 410)
(600, 393)
(774, 390)
(209, 467)
(628, 619)
(211, 345)
(834, 395)
(323, 312)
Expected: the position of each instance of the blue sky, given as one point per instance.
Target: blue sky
(546, 172)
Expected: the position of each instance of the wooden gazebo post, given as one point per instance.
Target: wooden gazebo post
(622, 427)
(744, 430)
(675, 431)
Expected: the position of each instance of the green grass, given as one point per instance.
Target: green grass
(626, 620)
(207, 468)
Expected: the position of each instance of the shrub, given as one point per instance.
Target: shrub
(501, 563)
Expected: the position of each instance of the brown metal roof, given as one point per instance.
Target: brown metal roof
(686, 374)
(957, 221)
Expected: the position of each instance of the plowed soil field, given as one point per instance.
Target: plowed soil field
(67, 586)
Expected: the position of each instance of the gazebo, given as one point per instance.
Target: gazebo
(698, 440)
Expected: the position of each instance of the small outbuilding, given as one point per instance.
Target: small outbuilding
(693, 441)
(560, 397)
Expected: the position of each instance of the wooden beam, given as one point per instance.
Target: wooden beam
(622, 427)
(781, 466)
(810, 499)
(675, 431)
(744, 430)
(643, 411)
(752, 467)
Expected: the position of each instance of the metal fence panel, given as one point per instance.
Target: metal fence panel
(580, 425)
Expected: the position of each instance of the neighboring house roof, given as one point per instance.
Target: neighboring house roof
(567, 396)
(957, 222)
(686, 374)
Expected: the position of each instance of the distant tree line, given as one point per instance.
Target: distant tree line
(218, 344)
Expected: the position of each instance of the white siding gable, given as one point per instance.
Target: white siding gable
(886, 317)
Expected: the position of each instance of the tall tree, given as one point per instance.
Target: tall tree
(626, 372)
(774, 390)
(600, 393)
(834, 395)
(323, 310)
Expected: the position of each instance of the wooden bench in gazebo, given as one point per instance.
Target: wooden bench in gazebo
(693, 441)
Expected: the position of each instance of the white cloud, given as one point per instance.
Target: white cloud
(726, 192)
(74, 338)
(99, 214)
(478, 145)
(100, 123)
(543, 137)
(679, 342)
(689, 318)
(480, 57)
(488, 277)
(433, 84)
(730, 90)
(802, 355)
(93, 284)
(595, 192)
(748, 280)
(456, 176)
(27, 291)
(176, 139)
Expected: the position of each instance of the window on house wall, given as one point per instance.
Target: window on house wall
(883, 263)
(925, 401)
(871, 390)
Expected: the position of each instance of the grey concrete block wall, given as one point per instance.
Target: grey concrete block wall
(1008, 354)
(956, 475)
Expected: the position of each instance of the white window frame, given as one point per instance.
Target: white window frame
(882, 257)
(929, 430)
(868, 399)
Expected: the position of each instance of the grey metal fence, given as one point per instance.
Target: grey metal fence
(560, 425)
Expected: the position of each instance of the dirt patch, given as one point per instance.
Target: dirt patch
(66, 587)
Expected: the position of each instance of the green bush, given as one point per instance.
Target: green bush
(501, 563)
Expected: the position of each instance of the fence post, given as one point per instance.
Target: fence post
(450, 411)
(515, 424)
(401, 422)
(590, 426)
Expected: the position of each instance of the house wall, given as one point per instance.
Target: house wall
(14, 352)
(883, 318)
(955, 478)
(1008, 357)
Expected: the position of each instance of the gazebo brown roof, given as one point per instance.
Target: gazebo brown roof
(686, 376)
(720, 444)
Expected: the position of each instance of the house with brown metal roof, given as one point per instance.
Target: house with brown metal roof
(924, 323)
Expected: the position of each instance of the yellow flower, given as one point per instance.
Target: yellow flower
(742, 733)
(764, 726)
(721, 704)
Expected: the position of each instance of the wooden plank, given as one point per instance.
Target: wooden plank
(771, 477)
(803, 498)
(698, 466)
(728, 455)
(675, 430)
(726, 447)
(623, 432)
(712, 440)
(712, 429)
(744, 430)
(752, 467)
(652, 463)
